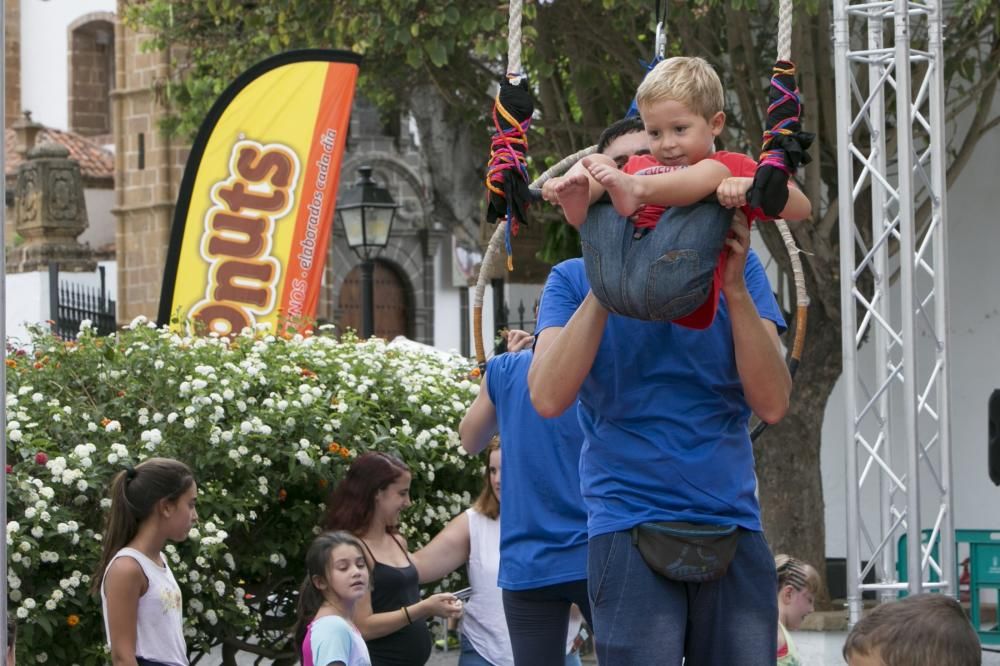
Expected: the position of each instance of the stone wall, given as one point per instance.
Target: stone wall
(91, 70)
(12, 62)
(399, 165)
(148, 170)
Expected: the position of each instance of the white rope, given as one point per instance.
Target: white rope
(785, 30)
(489, 258)
(801, 295)
(514, 41)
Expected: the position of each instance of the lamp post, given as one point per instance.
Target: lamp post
(366, 211)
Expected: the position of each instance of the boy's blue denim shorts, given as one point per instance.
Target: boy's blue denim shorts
(657, 274)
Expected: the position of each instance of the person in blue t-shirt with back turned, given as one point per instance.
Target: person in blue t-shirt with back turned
(543, 525)
(678, 565)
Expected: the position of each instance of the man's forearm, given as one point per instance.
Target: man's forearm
(766, 382)
(563, 358)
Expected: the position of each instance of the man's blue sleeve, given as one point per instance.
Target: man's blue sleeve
(760, 291)
(565, 289)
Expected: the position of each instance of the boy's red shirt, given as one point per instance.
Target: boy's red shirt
(739, 165)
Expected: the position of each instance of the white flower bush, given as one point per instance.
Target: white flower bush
(268, 424)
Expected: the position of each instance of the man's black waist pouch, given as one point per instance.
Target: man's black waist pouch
(687, 552)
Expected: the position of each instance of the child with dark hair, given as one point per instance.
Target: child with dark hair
(336, 579)
(919, 630)
(391, 616)
(152, 503)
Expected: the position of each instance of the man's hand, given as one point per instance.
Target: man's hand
(738, 243)
(518, 339)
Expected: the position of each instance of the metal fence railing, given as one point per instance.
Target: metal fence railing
(71, 303)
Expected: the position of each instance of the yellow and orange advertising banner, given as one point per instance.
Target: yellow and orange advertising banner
(256, 204)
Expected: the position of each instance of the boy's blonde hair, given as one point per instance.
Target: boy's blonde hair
(919, 630)
(800, 575)
(690, 81)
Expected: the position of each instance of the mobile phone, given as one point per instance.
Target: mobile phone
(463, 595)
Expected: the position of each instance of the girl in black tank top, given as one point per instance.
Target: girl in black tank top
(368, 503)
(394, 588)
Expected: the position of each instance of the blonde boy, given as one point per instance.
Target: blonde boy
(681, 105)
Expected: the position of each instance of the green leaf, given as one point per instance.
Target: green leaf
(413, 57)
(437, 53)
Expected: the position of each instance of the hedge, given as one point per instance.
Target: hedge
(268, 424)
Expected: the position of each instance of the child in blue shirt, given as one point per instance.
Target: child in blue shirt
(336, 578)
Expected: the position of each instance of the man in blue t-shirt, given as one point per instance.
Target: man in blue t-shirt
(664, 410)
(543, 522)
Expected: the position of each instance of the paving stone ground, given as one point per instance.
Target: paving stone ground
(818, 648)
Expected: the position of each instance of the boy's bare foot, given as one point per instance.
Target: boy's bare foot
(573, 194)
(621, 187)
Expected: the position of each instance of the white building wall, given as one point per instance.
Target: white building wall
(100, 222)
(447, 304)
(45, 55)
(974, 361)
(26, 296)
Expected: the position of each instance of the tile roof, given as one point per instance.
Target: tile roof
(96, 162)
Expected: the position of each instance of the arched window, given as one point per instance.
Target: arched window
(91, 74)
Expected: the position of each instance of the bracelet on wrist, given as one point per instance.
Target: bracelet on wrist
(409, 620)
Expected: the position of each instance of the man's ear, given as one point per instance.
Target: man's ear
(717, 123)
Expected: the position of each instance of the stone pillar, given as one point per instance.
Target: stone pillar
(25, 132)
(12, 61)
(49, 213)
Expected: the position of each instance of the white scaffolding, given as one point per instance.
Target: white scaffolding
(891, 160)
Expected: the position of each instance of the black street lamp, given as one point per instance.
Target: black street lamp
(366, 211)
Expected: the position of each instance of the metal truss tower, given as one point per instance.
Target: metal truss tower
(893, 261)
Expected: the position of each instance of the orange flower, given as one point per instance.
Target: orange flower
(323, 483)
(474, 373)
(344, 452)
(11, 363)
(306, 372)
(105, 421)
(73, 620)
(121, 394)
(39, 365)
(282, 495)
(333, 447)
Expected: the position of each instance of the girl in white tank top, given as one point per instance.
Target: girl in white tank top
(143, 611)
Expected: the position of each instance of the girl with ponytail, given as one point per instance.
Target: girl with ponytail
(152, 503)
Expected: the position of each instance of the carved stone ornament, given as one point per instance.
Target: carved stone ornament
(49, 213)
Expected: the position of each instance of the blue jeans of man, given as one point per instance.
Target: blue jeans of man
(657, 274)
(640, 617)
